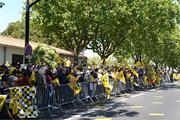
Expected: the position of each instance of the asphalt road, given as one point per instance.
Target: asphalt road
(156, 104)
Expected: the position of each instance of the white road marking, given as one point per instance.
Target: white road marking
(137, 95)
(178, 101)
(157, 102)
(158, 96)
(124, 99)
(156, 114)
(136, 106)
(75, 117)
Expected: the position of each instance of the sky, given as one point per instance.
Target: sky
(11, 12)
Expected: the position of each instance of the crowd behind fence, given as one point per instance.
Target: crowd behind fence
(54, 97)
(73, 85)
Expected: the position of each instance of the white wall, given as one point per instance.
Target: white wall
(10, 51)
(1, 55)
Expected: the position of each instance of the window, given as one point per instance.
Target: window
(17, 59)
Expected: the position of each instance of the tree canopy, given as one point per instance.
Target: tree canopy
(45, 55)
(1, 4)
(141, 29)
(69, 23)
(152, 25)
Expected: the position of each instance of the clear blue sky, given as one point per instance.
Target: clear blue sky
(11, 12)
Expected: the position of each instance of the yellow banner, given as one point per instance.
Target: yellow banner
(133, 71)
(72, 78)
(2, 101)
(105, 81)
(32, 78)
(75, 87)
(139, 64)
(120, 76)
(56, 82)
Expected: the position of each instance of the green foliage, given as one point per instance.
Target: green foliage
(45, 55)
(111, 60)
(152, 24)
(67, 22)
(112, 26)
(14, 29)
(95, 60)
(17, 30)
(1, 4)
(141, 29)
(172, 49)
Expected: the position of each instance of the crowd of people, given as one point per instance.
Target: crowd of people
(36, 75)
(68, 81)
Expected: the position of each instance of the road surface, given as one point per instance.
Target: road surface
(156, 104)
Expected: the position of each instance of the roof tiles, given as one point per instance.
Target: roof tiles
(19, 43)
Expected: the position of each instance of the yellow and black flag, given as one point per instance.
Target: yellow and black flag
(105, 81)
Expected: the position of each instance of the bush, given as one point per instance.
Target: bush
(45, 55)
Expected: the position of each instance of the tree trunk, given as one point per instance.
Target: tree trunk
(103, 61)
(76, 60)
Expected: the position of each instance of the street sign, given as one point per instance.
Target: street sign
(28, 50)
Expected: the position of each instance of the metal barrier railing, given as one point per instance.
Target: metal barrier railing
(50, 96)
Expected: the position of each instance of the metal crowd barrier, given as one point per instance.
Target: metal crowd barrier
(51, 96)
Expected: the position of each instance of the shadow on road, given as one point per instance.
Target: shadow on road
(169, 86)
(111, 113)
(106, 108)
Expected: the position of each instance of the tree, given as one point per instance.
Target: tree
(16, 30)
(45, 55)
(151, 22)
(94, 60)
(1, 4)
(112, 27)
(70, 24)
(172, 49)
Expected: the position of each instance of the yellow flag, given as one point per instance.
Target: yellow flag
(157, 79)
(114, 75)
(56, 82)
(105, 81)
(72, 78)
(139, 64)
(145, 80)
(76, 88)
(32, 78)
(133, 71)
(1, 77)
(178, 76)
(2, 101)
(13, 105)
(67, 63)
(174, 76)
(121, 77)
(12, 69)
